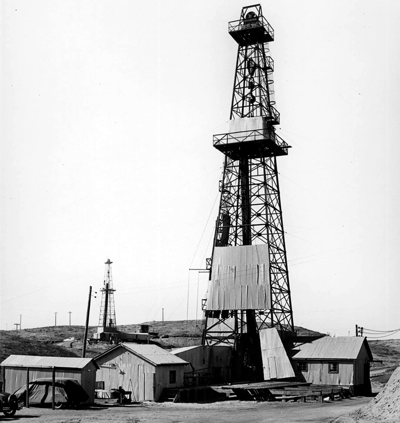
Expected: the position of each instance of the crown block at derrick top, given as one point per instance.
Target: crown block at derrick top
(250, 31)
(254, 137)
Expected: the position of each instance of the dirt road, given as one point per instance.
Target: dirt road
(221, 412)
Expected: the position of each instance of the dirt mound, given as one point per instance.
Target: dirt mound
(385, 407)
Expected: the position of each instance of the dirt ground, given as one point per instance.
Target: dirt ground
(220, 412)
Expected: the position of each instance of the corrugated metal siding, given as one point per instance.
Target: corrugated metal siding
(240, 278)
(276, 364)
(318, 373)
(122, 368)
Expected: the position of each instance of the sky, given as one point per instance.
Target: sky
(108, 109)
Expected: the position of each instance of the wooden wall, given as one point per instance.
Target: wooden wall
(15, 377)
(351, 372)
(212, 358)
(318, 373)
(146, 381)
(359, 368)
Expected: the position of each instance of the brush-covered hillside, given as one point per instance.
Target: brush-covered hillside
(67, 341)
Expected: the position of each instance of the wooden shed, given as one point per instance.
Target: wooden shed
(142, 369)
(17, 369)
(335, 361)
(208, 364)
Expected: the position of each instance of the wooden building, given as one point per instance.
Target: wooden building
(335, 361)
(208, 364)
(142, 369)
(17, 369)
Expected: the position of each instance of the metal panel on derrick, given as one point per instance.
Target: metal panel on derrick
(239, 270)
(276, 363)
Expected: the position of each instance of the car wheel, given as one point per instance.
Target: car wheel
(12, 401)
(10, 412)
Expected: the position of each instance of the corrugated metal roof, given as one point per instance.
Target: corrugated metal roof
(153, 353)
(341, 347)
(40, 361)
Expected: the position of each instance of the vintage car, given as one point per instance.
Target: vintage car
(67, 393)
(8, 404)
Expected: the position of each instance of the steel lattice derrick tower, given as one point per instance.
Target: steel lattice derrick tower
(250, 211)
(107, 319)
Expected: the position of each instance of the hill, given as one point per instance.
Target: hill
(387, 350)
(13, 343)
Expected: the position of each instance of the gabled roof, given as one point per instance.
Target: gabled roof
(153, 354)
(40, 361)
(341, 347)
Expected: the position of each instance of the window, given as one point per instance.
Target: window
(99, 384)
(172, 376)
(333, 367)
(303, 366)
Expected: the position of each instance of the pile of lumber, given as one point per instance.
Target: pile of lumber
(310, 393)
(288, 391)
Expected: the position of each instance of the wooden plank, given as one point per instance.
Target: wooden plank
(290, 398)
(266, 384)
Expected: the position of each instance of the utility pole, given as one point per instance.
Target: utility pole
(163, 315)
(55, 318)
(20, 321)
(87, 323)
(70, 317)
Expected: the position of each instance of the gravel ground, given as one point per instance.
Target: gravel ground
(221, 412)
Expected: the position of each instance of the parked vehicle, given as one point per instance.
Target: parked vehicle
(8, 404)
(67, 393)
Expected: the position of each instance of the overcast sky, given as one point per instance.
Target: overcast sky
(108, 112)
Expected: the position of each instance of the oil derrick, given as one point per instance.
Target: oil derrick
(107, 320)
(249, 281)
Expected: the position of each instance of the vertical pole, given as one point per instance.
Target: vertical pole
(163, 314)
(55, 318)
(3, 385)
(20, 321)
(53, 389)
(70, 317)
(356, 330)
(187, 305)
(144, 385)
(87, 323)
(105, 309)
(27, 388)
